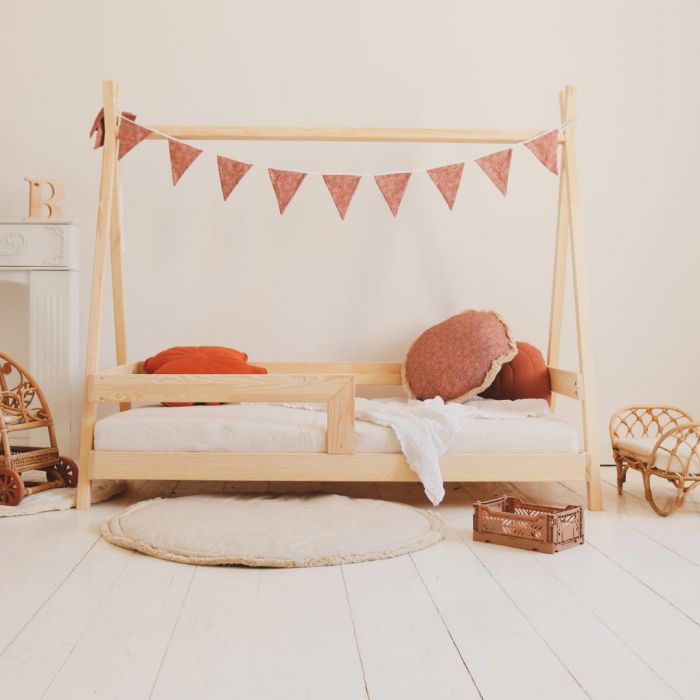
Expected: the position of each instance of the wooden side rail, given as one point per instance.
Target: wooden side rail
(566, 383)
(338, 391)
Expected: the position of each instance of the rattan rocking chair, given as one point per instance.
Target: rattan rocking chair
(23, 406)
(661, 441)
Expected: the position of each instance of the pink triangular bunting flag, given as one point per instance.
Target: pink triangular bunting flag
(181, 157)
(342, 189)
(497, 167)
(447, 179)
(393, 188)
(545, 148)
(285, 184)
(231, 172)
(130, 135)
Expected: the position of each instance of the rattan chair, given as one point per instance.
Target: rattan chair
(660, 441)
(23, 407)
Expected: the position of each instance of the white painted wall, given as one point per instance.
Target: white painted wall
(306, 286)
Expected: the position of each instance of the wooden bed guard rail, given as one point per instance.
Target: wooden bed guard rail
(332, 383)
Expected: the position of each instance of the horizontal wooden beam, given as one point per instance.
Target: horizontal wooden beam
(224, 388)
(381, 373)
(566, 382)
(299, 133)
(314, 466)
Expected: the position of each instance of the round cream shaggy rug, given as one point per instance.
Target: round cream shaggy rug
(59, 499)
(273, 531)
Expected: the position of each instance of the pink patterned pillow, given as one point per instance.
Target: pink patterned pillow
(458, 358)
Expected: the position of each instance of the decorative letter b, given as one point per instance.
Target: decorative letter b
(36, 200)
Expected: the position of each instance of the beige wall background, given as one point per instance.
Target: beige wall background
(307, 286)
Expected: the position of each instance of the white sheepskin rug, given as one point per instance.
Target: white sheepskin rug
(59, 499)
(273, 530)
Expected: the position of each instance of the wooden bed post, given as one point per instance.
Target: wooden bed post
(108, 186)
(117, 259)
(561, 252)
(571, 215)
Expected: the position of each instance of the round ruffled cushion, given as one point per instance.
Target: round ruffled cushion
(458, 358)
(195, 352)
(524, 377)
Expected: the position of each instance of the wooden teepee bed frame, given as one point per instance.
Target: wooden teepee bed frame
(333, 383)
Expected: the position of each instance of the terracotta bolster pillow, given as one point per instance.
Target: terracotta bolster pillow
(525, 377)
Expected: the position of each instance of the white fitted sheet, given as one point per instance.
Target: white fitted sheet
(274, 428)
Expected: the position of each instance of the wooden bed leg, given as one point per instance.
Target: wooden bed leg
(83, 497)
(594, 490)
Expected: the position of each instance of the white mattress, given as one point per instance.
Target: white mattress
(272, 428)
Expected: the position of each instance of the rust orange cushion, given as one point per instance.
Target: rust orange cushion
(458, 358)
(203, 359)
(524, 377)
(195, 352)
(209, 365)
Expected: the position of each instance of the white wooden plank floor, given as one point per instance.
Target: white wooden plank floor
(617, 618)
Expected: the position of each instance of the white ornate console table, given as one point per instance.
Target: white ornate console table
(43, 256)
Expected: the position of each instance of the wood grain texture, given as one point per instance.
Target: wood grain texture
(315, 466)
(566, 383)
(561, 253)
(341, 420)
(583, 331)
(215, 387)
(298, 133)
(108, 182)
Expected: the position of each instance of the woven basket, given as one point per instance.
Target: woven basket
(509, 521)
(25, 458)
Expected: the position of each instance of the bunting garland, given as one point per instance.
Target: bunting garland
(182, 155)
(497, 167)
(545, 148)
(231, 172)
(393, 187)
(130, 134)
(285, 183)
(341, 187)
(447, 180)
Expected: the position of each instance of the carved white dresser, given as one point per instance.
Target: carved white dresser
(39, 311)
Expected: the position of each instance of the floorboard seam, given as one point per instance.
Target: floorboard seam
(611, 630)
(172, 631)
(645, 584)
(51, 595)
(88, 623)
(354, 631)
(447, 629)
